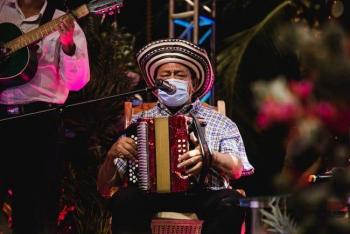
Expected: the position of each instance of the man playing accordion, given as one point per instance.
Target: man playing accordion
(188, 68)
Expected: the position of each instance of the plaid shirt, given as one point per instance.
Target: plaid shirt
(222, 135)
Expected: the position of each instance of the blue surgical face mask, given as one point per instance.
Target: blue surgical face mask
(180, 97)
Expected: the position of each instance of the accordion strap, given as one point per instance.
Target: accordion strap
(206, 153)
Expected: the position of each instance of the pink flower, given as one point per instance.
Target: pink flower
(301, 89)
(324, 111)
(262, 121)
(272, 112)
(335, 119)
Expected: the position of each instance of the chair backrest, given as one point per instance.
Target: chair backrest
(129, 110)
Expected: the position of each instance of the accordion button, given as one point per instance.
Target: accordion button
(183, 140)
(179, 140)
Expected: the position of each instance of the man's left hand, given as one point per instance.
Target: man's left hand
(66, 30)
(192, 160)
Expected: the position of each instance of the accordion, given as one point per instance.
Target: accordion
(159, 141)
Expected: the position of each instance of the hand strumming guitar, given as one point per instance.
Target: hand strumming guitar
(66, 30)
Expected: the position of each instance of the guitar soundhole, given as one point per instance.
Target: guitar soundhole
(4, 52)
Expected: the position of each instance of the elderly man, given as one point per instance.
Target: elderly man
(188, 68)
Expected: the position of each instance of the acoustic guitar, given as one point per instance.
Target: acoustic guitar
(17, 64)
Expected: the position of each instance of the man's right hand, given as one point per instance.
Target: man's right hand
(124, 147)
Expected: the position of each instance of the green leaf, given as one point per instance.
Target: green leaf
(229, 59)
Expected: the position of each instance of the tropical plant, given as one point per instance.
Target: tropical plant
(275, 217)
(230, 58)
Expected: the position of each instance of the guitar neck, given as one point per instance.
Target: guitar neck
(44, 30)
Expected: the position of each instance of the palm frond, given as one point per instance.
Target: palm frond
(230, 58)
(277, 221)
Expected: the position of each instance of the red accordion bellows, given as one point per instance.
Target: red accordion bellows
(160, 141)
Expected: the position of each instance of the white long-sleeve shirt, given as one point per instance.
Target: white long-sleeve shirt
(57, 72)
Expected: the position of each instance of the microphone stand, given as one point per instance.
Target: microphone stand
(60, 108)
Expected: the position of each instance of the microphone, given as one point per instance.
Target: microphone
(319, 178)
(165, 86)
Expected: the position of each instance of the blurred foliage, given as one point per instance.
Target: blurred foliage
(316, 111)
(229, 59)
(234, 48)
(255, 53)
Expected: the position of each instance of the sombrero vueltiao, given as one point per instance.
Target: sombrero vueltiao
(157, 53)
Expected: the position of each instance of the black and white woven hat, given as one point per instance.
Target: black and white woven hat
(157, 53)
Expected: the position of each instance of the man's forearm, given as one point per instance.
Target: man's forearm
(107, 176)
(74, 68)
(230, 166)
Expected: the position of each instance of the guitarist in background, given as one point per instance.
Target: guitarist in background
(30, 164)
